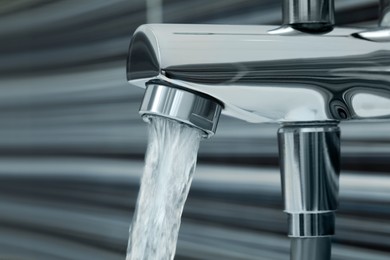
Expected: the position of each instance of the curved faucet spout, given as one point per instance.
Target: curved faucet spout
(263, 75)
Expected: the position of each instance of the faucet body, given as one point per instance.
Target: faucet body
(265, 75)
(305, 75)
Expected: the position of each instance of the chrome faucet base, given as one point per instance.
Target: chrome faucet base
(310, 166)
(318, 248)
(319, 224)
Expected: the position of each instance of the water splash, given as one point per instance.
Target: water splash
(169, 167)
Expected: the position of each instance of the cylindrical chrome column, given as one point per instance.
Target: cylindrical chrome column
(194, 109)
(310, 158)
(318, 248)
(309, 15)
(384, 15)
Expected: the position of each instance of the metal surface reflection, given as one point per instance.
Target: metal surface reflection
(310, 248)
(316, 16)
(197, 111)
(381, 34)
(310, 167)
(262, 77)
(384, 19)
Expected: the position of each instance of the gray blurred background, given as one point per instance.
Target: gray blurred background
(72, 143)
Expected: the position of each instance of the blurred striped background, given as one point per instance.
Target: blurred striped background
(72, 143)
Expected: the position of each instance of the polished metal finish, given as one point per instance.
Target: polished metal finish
(310, 158)
(380, 34)
(318, 248)
(384, 19)
(186, 107)
(311, 224)
(263, 77)
(309, 15)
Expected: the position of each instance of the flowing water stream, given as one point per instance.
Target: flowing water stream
(169, 167)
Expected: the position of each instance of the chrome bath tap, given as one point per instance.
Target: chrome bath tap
(306, 75)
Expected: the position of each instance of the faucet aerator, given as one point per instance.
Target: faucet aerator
(187, 107)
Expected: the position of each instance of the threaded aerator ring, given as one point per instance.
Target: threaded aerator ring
(186, 107)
